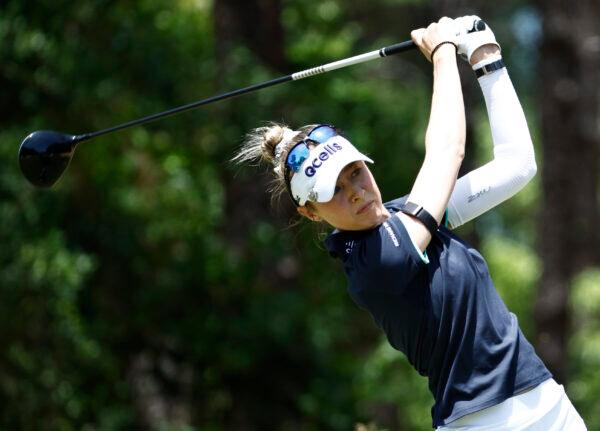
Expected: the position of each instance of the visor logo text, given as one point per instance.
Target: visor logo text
(317, 162)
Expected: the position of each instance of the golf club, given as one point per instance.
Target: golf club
(44, 155)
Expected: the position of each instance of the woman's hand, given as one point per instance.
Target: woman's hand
(476, 40)
(439, 38)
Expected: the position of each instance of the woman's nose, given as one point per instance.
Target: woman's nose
(357, 193)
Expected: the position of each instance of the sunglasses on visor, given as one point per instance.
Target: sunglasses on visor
(301, 151)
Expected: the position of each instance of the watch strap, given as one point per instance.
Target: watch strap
(421, 214)
(489, 68)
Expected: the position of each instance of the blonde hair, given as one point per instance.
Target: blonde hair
(260, 145)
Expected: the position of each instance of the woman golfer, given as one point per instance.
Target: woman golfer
(429, 291)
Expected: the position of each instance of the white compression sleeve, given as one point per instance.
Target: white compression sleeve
(514, 159)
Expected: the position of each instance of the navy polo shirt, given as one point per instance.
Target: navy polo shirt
(444, 315)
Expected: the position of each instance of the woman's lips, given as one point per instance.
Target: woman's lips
(365, 207)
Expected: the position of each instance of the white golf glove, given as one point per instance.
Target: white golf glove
(472, 33)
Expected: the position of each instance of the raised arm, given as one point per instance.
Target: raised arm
(513, 164)
(445, 137)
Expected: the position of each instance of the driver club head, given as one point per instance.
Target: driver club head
(44, 156)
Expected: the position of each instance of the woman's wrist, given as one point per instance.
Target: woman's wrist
(443, 45)
(484, 52)
(444, 52)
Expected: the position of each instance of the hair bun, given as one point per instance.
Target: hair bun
(261, 144)
(273, 135)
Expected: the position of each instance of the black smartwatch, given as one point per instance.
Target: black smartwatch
(489, 68)
(422, 215)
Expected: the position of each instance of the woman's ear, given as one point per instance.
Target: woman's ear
(309, 213)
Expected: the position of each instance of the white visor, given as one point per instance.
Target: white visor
(317, 177)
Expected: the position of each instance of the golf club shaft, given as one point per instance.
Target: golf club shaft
(383, 52)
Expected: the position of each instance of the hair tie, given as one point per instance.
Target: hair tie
(439, 45)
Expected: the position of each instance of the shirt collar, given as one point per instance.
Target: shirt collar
(340, 243)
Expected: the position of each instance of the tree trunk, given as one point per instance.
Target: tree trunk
(569, 71)
(256, 23)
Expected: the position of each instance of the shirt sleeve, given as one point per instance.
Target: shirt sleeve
(388, 261)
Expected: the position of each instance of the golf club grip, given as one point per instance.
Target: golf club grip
(397, 48)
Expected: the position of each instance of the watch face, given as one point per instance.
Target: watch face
(422, 215)
(412, 208)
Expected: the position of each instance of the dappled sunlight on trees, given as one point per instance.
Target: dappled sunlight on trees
(155, 287)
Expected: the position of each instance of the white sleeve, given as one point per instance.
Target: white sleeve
(514, 159)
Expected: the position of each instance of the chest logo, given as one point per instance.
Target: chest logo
(349, 246)
(391, 233)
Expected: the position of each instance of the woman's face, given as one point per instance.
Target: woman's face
(356, 203)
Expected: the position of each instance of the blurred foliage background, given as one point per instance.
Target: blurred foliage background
(155, 287)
